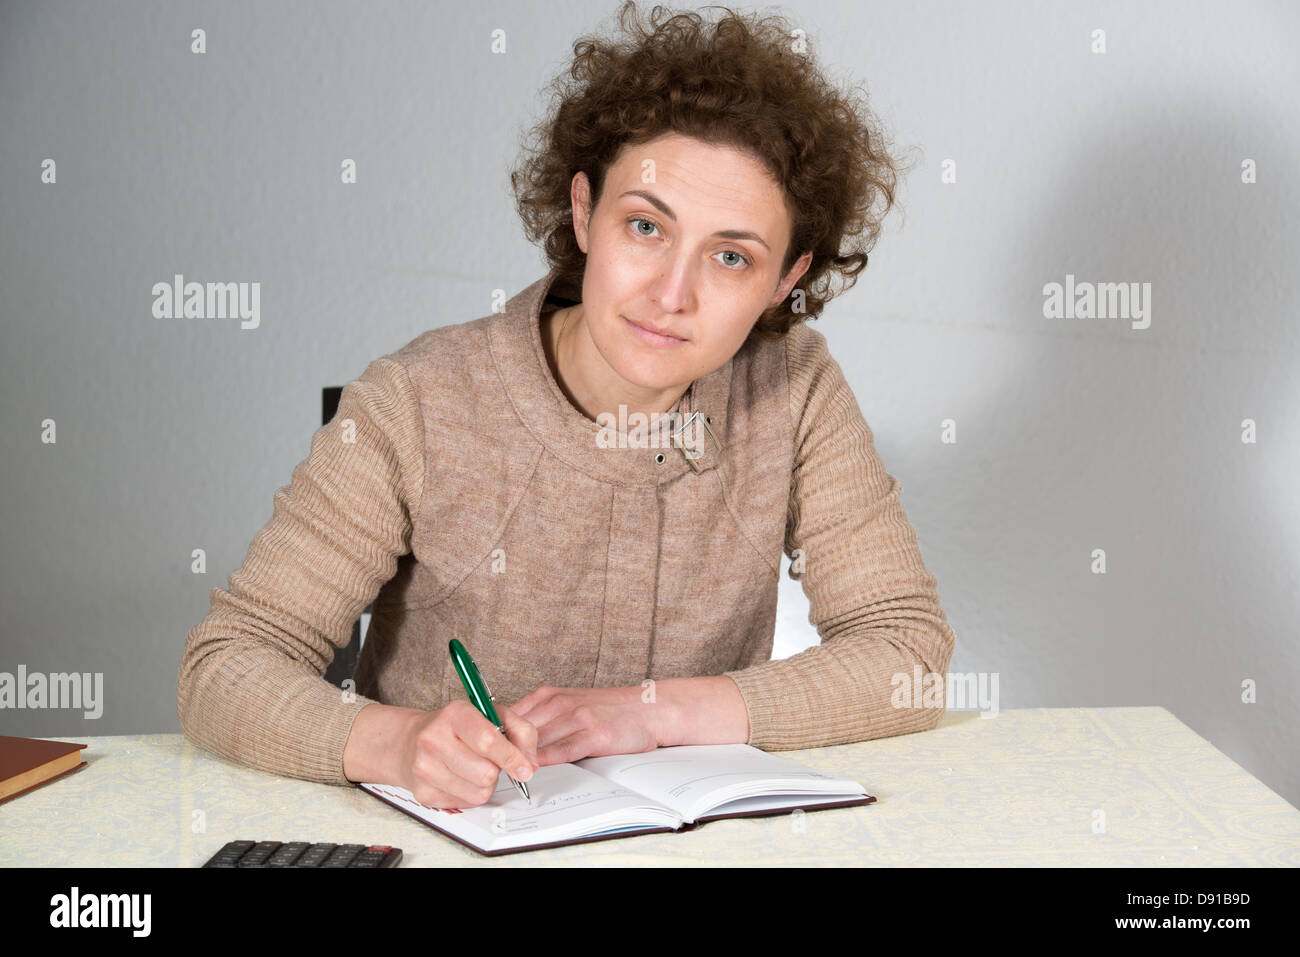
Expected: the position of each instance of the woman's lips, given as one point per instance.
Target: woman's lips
(651, 338)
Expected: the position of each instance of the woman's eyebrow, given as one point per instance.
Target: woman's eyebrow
(660, 205)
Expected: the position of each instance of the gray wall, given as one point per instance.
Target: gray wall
(1072, 435)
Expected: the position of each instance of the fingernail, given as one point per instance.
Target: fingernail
(523, 773)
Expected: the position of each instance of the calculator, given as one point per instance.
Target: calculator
(304, 854)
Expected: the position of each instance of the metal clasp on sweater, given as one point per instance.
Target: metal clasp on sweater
(693, 454)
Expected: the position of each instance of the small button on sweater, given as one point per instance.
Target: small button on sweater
(460, 491)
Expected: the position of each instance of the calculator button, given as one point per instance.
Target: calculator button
(314, 855)
(287, 854)
(230, 852)
(303, 854)
(259, 854)
(343, 855)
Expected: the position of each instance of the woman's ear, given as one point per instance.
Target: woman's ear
(793, 276)
(580, 207)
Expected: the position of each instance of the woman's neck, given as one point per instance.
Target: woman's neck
(563, 335)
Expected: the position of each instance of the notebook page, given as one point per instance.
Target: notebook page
(771, 803)
(692, 779)
(568, 802)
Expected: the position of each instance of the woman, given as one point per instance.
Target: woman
(694, 189)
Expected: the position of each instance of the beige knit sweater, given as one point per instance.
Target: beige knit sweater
(458, 489)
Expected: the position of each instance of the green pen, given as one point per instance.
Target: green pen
(480, 695)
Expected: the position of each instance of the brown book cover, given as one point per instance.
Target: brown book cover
(28, 763)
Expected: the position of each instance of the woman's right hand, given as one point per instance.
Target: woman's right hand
(452, 758)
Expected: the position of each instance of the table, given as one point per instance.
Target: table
(1093, 787)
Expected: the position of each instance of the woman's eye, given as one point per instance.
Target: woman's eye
(727, 252)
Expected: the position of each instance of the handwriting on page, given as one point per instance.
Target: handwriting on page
(516, 816)
(581, 797)
(564, 801)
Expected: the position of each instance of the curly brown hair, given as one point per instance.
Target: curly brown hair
(747, 83)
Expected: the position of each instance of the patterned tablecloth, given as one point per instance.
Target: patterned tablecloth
(1110, 787)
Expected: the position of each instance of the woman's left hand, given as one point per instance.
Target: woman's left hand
(577, 723)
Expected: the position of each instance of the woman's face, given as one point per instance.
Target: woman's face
(688, 239)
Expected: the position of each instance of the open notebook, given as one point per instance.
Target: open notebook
(668, 789)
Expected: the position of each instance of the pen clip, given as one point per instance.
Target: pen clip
(483, 678)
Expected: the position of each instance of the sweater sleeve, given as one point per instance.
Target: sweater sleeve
(872, 600)
(250, 685)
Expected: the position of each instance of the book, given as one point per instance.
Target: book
(595, 799)
(27, 763)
